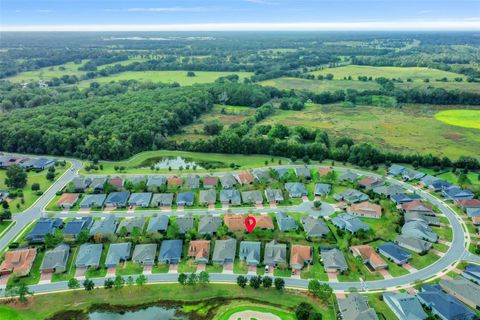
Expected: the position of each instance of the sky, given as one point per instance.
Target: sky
(200, 15)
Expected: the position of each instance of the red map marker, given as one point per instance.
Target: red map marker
(250, 223)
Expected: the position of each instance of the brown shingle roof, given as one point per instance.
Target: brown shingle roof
(324, 171)
(67, 198)
(365, 208)
(299, 254)
(117, 182)
(19, 262)
(199, 249)
(367, 181)
(210, 181)
(473, 203)
(174, 181)
(368, 253)
(263, 221)
(234, 222)
(245, 177)
(416, 206)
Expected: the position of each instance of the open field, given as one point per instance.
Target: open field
(413, 73)
(47, 73)
(165, 76)
(451, 85)
(460, 118)
(287, 83)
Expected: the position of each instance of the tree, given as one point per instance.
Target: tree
(52, 240)
(203, 277)
(141, 280)
(242, 281)
(108, 284)
(279, 131)
(317, 204)
(212, 127)
(22, 291)
(50, 176)
(279, 283)
(191, 74)
(119, 282)
(182, 279)
(130, 281)
(255, 282)
(16, 177)
(83, 237)
(35, 186)
(73, 283)
(305, 311)
(88, 285)
(267, 282)
(322, 291)
(192, 279)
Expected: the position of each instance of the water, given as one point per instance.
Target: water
(150, 313)
(176, 163)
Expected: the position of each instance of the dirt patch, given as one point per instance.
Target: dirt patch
(454, 136)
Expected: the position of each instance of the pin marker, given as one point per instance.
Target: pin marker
(250, 223)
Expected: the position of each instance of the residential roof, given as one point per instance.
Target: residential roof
(355, 307)
(314, 227)
(104, 226)
(414, 243)
(282, 172)
(184, 223)
(162, 199)
(275, 253)
(131, 223)
(231, 196)
(210, 181)
(98, 183)
(462, 288)
(68, 198)
(416, 206)
(209, 224)
(56, 258)
(322, 188)
(455, 193)
(396, 169)
(428, 179)
(274, 195)
(81, 183)
(369, 182)
(419, 230)
(145, 253)
(444, 304)
(404, 306)
(349, 176)
(411, 174)
(351, 196)
(263, 221)
(185, 198)
(43, 227)
(285, 223)
(470, 203)
(234, 222)
(135, 180)
(192, 181)
(324, 171)
(18, 261)
(117, 182)
(350, 223)
(208, 196)
(141, 199)
(253, 196)
(262, 174)
(245, 177)
(224, 250)
(368, 254)
(200, 250)
(156, 181)
(296, 189)
(171, 251)
(472, 271)
(117, 199)
(93, 200)
(88, 255)
(394, 251)
(157, 224)
(174, 181)
(118, 252)
(250, 252)
(404, 197)
(333, 259)
(365, 208)
(300, 255)
(418, 216)
(228, 181)
(388, 190)
(73, 227)
(303, 172)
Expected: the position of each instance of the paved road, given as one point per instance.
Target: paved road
(455, 253)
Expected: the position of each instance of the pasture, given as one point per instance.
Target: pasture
(287, 83)
(47, 73)
(460, 118)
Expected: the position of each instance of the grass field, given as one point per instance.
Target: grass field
(451, 85)
(460, 118)
(286, 83)
(165, 76)
(48, 73)
(414, 73)
(233, 310)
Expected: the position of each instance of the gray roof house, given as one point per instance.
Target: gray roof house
(262, 175)
(464, 290)
(81, 183)
(228, 181)
(209, 224)
(89, 255)
(419, 230)
(158, 224)
(282, 172)
(185, 198)
(404, 306)
(422, 217)
(93, 201)
(273, 195)
(303, 172)
(207, 197)
(192, 181)
(250, 252)
(428, 180)
(410, 174)
(154, 182)
(162, 200)
(253, 197)
(117, 199)
(349, 176)
(414, 244)
(333, 260)
(230, 196)
(394, 253)
(184, 224)
(314, 227)
(98, 183)
(350, 223)
(355, 307)
(455, 193)
(472, 272)
(118, 252)
(351, 196)
(322, 189)
(145, 254)
(104, 226)
(131, 223)
(396, 169)
(275, 253)
(135, 180)
(296, 189)
(140, 199)
(224, 251)
(75, 226)
(388, 191)
(285, 223)
(170, 251)
(55, 260)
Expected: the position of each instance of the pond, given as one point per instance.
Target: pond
(176, 163)
(150, 313)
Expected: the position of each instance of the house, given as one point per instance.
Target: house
(210, 182)
(419, 230)
(443, 305)
(469, 204)
(209, 224)
(185, 199)
(422, 217)
(371, 182)
(252, 197)
(199, 250)
(117, 199)
(43, 227)
(349, 223)
(156, 182)
(207, 197)
(89, 255)
(162, 200)
(324, 171)
(245, 178)
(140, 199)
(410, 174)
(116, 182)
(3, 195)
(158, 224)
(314, 227)
(365, 210)
(394, 253)
(98, 184)
(333, 260)
(322, 189)
(174, 182)
(439, 185)
(300, 256)
(79, 184)
(38, 164)
(349, 176)
(455, 193)
(355, 307)
(274, 195)
(19, 262)
(250, 252)
(7, 161)
(414, 244)
(275, 253)
(401, 198)
(230, 196)
(285, 223)
(370, 258)
(224, 251)
(130, 224)
(234, 222)
(145, 254)
(263, 221)
(73, 228)
(388, 191)
(417, 207)
(55, 260)
(118, 252)
(137, 180)
(93, 201)
(192, 181)
(472, 272)
(404, 306)
(396, 170)
(464, 290)
(282, 172)
(68, 200)
(351, 196)
(303, 172)
(428, 180)
(104, 226)
(228, 181)
(170, 251)
(184, 224)
(473, 212)
(262, 175)
(296, 189)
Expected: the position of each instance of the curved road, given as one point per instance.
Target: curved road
(456, 252)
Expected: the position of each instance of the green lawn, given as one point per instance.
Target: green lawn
(102, 270)
(160, 268)
(420, 262)
(380, 306)
(240, 267)
(461, 118)
(47, 73)
(317, 86)
(6, 224)
(128, 268)
(231, 312)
